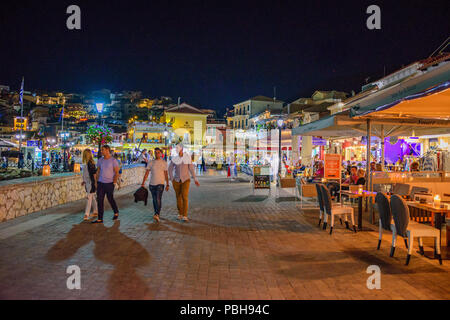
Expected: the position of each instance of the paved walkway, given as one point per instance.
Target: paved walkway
(236, 246)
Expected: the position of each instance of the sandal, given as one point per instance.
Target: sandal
(116, 215)
(86, 218)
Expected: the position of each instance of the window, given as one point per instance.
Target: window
(246, 122)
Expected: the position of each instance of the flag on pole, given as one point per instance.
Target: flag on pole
(62, 114)
(21, 93)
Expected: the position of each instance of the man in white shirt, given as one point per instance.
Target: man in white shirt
(144, 157)
(158, 169)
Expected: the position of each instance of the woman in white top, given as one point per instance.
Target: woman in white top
(89, 172)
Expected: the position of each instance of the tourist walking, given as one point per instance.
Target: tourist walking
(144, 158)
(180, 171)
(107, 175)
(89, 172)
(158, 175)
(119, 180)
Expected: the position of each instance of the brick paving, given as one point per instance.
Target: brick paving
(236, 246)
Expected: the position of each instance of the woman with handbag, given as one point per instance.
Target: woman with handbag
(89, 171)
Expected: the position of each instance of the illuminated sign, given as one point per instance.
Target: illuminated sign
(20, 123)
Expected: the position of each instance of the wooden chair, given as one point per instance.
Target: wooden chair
(405, 229)
(401, 189)
(287, 183)
(307, 191)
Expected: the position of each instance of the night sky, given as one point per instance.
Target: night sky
(213, 53)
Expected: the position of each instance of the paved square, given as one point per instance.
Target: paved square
(236, 246)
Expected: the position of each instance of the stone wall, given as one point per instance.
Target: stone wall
(22, 196)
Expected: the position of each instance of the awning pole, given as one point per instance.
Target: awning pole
(382, 147)
(369, 175)
(369, 132)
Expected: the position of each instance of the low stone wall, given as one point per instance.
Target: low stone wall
(22, 196)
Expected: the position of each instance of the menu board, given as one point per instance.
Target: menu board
(261, 177)
(332, 166)
(262, 182)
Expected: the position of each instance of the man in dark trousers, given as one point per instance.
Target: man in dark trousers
(159, 175)
(107, 176)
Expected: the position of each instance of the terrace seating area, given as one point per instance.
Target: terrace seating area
(410, 212)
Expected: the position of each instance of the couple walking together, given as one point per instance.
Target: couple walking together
(179, 172)
(100, 181)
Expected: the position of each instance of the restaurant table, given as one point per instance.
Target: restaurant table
(438, 214)
(364, 194)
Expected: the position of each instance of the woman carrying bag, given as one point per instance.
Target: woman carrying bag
(89, 171)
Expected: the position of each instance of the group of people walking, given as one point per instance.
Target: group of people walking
(100, 181)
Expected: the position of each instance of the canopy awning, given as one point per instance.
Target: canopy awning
(342, 126)
(331, 126)
(7, 144)
(433, 104)
(424, 96)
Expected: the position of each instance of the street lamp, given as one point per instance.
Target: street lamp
(280, 125)
(165, 143)
(99, 107)
(64, 136)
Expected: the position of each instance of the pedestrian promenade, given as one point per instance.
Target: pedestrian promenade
(236, 246)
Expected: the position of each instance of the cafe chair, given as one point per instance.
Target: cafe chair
(401, 189)
(418, 190)
(405, 229)
(335, 209)
(307, 191)
(386, 222)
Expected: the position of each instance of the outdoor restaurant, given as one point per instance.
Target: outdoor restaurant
(389, 152)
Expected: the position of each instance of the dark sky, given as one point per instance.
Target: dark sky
(213, 53)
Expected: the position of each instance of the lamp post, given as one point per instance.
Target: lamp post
(64, 136)
(165, 143)
(280, 125)
(99, 107)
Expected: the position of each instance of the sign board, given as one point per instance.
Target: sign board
(261, 177)
(332, 166)
(262, 182)
(32, 143)
(149, 127)
(20, 123)
(319, 142)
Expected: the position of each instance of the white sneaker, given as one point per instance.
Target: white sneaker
(185, 219)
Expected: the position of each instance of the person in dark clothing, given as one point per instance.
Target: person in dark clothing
(361, 178)
(20, 164)
(203, 164)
